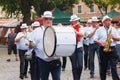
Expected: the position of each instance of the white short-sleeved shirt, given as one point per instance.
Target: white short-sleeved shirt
(91, 39)
(86, 31)
(22, 43)
(101, 34)
(118, 30)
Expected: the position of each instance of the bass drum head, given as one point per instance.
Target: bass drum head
(49, 41)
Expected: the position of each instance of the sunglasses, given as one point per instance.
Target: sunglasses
(48, 18)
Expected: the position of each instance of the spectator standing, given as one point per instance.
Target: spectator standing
(11, 44)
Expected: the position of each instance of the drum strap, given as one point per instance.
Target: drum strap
(43, 28)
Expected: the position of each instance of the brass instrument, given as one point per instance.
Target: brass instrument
(31, 44)
(108, 42)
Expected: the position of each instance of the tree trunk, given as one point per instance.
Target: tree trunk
(100, 11)
(44, 6)
(26, 11)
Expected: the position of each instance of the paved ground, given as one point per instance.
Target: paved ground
(10, 70)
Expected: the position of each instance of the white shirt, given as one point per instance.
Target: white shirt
(37, 38)
(101, 34)
(86, 41)
(91, 39)
(118, 30)
(22, 43)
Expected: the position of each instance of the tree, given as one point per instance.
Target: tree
(102, 4)
(24, 6)
(17, 7)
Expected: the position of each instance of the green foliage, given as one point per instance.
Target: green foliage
(10, 6)
(103, 4)
(23, 6)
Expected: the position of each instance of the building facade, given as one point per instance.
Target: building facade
(85, 12)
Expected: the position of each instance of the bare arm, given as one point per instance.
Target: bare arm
(92, 33)
(100, 42)
(80, 33)
(115, 38)
(18, 39)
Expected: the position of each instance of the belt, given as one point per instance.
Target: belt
(92, 43)
(110, 46)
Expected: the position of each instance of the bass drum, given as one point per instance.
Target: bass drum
(59, 41)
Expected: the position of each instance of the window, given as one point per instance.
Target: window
(79, 9)
(92, 8)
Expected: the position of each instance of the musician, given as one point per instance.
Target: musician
(21, 41)
(45, 65)
(34, 69)
(107, 32)
(77, 57)
(93, 47)
(86, 44)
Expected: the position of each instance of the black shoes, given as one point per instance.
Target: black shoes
(85, 68)
(8, 60)
(91, 76)
(21, 77)
(26, 76)
(63, 69)
(108, 73)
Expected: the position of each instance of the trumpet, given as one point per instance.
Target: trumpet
(108, 42)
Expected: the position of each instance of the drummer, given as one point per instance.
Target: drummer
(45, 65)
(77, 57)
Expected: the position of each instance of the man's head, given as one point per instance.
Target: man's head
(106, 21)
(35, 24)
(94, 21)
(23, 27)
(12, 30)
(47, 18)
(89, 22)
(74, 19)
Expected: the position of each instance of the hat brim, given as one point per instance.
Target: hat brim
(106, 19)
(74, 19)
(48, 17)
(95, 20)
(23, 27)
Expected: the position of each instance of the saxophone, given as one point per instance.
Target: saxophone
(108, 42)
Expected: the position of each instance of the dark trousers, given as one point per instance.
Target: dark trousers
(93, 48)
(23, 63)
(77, 63)
(112, 58)
(53, 67)
(86, 56)
(34, 68)
(64, 59)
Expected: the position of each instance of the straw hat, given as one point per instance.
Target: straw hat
(47, 14)
(74, 18)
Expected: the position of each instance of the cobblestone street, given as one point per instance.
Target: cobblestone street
(10, 70)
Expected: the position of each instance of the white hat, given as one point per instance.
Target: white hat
(89, 21)
(47, 14)
(94, 18)
(36, 23)
(74, 18)
(106, 17)
(24, 25)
